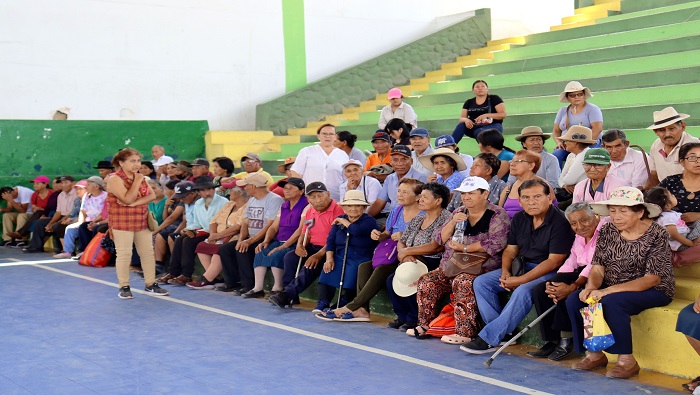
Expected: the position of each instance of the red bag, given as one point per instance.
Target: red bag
(444, 323)
(94, 254)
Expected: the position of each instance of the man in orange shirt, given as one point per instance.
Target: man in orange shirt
(382, 156)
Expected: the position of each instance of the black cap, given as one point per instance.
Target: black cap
(67, 178)
(203, 182)
(183, 188)
(297, 182)
(104, 164)
(381, 135)
(316, 186)
(200, 162)
(401, 149)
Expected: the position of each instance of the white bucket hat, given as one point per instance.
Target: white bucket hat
(407, 273)
(354, 198)
(665, 117)
(625, 196)
(427, 160)
(574, 86)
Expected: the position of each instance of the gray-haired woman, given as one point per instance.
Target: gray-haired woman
(572, 275)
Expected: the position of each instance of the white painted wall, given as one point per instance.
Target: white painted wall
(204, 59)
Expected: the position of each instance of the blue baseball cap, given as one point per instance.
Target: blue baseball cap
(422, 132)
(445, 140)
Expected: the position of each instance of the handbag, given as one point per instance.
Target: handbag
(94, 254)
(597, 335)
(152, 221)
(517, 267)
(465, 262)
(386, 252)
(444, 323)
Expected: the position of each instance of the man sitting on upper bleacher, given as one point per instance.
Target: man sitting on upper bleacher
(159, 157)
(626, 163)
(420, 141)
(252, 163)
(669, 126)
(397, 109)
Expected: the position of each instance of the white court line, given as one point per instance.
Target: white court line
(18, 262)
(401, 357)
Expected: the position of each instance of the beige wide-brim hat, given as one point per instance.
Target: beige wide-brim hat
(531, 131)
(427, 160)
(625, 196)
(407, 273)
(354, 198)
(665, 117)
(574, 86)
(579, 134)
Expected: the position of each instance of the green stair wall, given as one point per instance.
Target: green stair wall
(56, 148)
(364, 81)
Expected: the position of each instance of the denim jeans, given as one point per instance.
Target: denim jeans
(501, 321)
(461, 130)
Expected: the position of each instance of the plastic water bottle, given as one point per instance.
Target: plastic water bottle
(459, 232)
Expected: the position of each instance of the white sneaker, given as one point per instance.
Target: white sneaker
(77, 257)
(63, 255)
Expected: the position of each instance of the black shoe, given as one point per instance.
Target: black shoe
(125, 293)
(239, 292)
(254, 294)
(544, 351)
(407, 325)
(395, 324)
(154, 289)
(31, 250)
(563, 349)
(226, 288)
(281, 300)
(478, 346)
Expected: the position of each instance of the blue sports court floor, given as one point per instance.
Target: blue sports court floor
(64, 331)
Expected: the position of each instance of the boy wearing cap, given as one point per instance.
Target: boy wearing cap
(260, 212)
(599, 182)
(397, 109)
(420, 141)
(663, 154)
(252, 163)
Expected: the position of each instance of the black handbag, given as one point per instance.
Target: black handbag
(517, 267)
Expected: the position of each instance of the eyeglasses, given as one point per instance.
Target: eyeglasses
(250, 161)
(596, 166)
(691, 159)
(577, 94)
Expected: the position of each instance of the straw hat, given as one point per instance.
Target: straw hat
(427, 160)
(288, 161)
(665, 117)
(407, 273)
(574, 86)
(531, 131)
(579, 134)
(354, 198)
(625, 196)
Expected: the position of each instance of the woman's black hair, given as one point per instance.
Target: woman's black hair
(491, 161)
(658, 196)
(225, 163)
(439, 191)
(638, 208)
(492, 138)
(449, 161)
(171, 184)
(148, 164)
(396, 124)
(685, 148)
(477, 81)
(348, 137)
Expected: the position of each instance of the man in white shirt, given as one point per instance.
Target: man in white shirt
(626, 163)
(17, 212)
(420, 141)
(397, 109)
(159, 157)
(670, 128)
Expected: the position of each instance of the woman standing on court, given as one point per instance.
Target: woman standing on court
(129, 195)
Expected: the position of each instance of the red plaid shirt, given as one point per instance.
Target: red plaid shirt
(132, 219)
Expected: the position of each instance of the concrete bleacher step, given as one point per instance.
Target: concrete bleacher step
(235, 144)
(687, 287)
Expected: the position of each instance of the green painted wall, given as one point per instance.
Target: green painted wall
(54, 148)
(362, 82)
(294, 44)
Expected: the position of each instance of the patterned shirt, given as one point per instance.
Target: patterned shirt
(93, 205)
(415, 236)
(626, 260)
(130, 219)
(674, 184)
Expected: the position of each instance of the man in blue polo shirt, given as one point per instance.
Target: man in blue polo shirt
(542, 238)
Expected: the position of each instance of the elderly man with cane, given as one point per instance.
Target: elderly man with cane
(322, 211)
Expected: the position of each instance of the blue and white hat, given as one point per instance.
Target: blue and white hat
(472, 184)
(445, 140)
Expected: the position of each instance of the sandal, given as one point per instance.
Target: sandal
(690, 386)
(327, 314)
(455, 339)
(419, 333)
(348, 316)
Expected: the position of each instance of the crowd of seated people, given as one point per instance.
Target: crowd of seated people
(432, 210)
